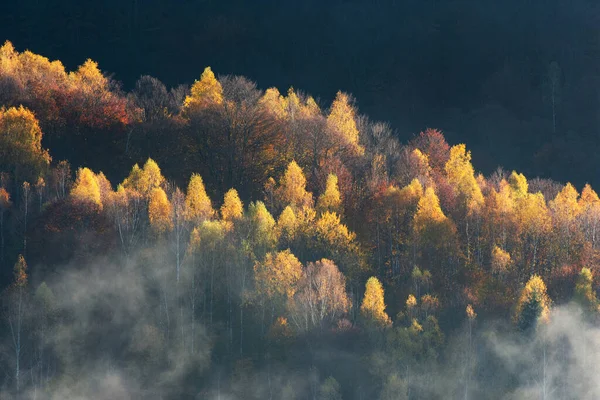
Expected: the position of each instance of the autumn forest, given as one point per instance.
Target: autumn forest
(221, 241)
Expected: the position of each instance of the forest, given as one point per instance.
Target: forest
(221, 241)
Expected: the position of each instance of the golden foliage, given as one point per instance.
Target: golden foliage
(341, 121)
(373, 304)
(274, 103)
(287, 223)
(331, 199)
(198, 206)
(278, 274)
(518, 185)
(585, 294)
(501, 260)
(292, 188)
(232, 208)
(333, 232)
(428, 211)
(461, 175)
(206, 92)
(146, 179)
(21, 141)
(565, 206)
(87, 188)
(159, 211)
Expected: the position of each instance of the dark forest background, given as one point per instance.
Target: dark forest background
(480, 71)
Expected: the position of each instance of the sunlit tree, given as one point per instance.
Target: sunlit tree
(373, 304)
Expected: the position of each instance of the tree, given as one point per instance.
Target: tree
(232, 208)
(276, 278)
(461, 175)
(535, 222)
(263, 234)
(274, 103)
(151, 96)
(292, 188)
(565, 211)
(278, 274)
(205, 93)
(128, 211)
(518, 185)
(197, 203)
(430, 224)
(146, 179)
(533, 304)
(330, 200)
(341, 122)
(287, 224)
(159, 211)
(21, 151)
(434, 145)
(585, 295)
(86, 188)
(321, 296)
(373, 304)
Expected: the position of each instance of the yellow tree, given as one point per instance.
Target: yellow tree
(501, 214)
(373, 304)
(518, 185)
(159, 211)
(86, 188)
(146, 179)
(198, 206)
(274, 103)
(21, 151)
(565, 210)
(232, 208)
(461, 177)
(535, 223)
(430, 217)
(533, 305)
(292, 188)
(341, 122)
(263, 234)
(276, 278)
(205, 93)
(331, 199)
(585, 294)
(287, 224)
